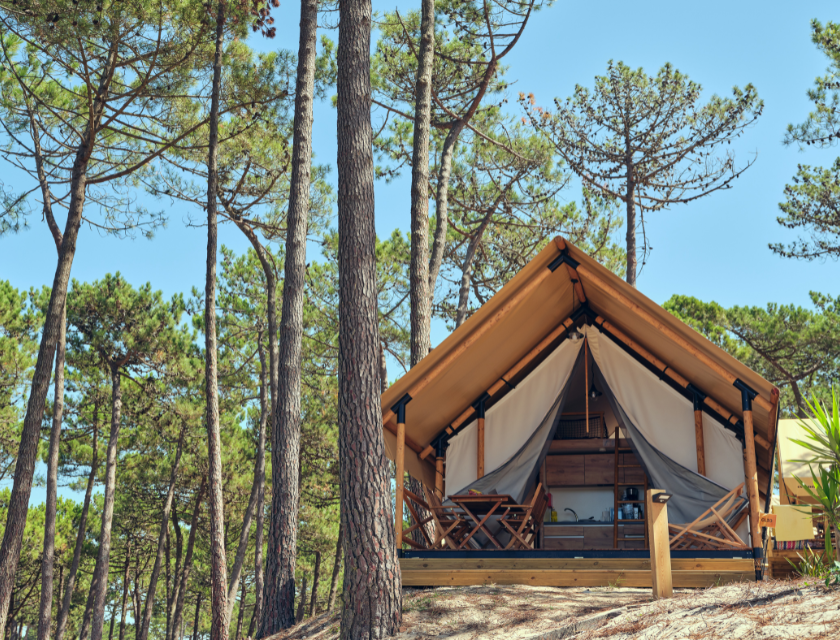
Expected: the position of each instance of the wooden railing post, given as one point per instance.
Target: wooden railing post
(399, 479)
(440, 451)
(751, 476)
(660, 545)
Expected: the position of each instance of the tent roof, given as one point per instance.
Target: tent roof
(532, 304)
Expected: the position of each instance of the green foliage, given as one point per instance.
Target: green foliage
(796, 349)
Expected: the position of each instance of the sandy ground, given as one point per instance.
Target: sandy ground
(783, 609)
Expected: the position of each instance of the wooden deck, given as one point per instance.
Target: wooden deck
(570, 572)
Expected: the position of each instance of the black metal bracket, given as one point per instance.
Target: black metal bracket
(563, 258)
(399, 408)
(583, 310)
(747, 394)
(440, 446)
(478, 405)
(699, 396)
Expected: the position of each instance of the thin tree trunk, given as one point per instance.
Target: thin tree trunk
(466, 270)
(176, 575)
(48, 557)
(372, 593)
(61, 624)
(18, 506)
(242, 547)
(630, 201)
(421, 300)
(166, 581)
(178, 616)
(111, 624)
(162, 538)
(126, 578)
(259, 477)
(197, 615)
(218, 560)
(316, 575)
(241, 611)
(302, 602)
(279, 593)
(336, 567)
(99, 584)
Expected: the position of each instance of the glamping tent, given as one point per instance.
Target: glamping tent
(573, 383)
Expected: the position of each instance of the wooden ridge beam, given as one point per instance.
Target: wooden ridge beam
(479, 331)
(616, 295)
(505, 379)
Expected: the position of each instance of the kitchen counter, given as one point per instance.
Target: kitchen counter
(572, 523)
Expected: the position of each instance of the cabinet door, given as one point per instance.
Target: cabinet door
(563, 543)
(564, 471)
(632, 474)
(597, 537)
(599, 468)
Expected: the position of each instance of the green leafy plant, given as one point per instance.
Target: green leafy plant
(832, 574)
(812, 565)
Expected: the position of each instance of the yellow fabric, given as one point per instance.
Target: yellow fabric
(790, 430)
(793, 523)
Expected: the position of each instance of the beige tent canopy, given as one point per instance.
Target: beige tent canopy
(522, 324)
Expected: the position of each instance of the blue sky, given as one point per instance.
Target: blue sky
(715, 249)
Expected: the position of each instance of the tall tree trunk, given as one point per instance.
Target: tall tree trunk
(372, 594)
(241, 611)
(242, 547)
(31, 432)
(302, 602)
(316, 575)
(178, 615)
(111, 624)
(124, 605)
(197, 615)
(336, 567)
(176, 575)
(466, 270)
(630, 201)
(61, 624)
(99, 583)
(48, 557)
(218, 560)
(421, 300)
(279, 593)
(162, 537)
(259, 478)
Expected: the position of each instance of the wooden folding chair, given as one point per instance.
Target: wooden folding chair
(451, 526)
(523, 520)
(408, 498)
(711, 529)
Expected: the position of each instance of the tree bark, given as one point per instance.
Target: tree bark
(265, 410)
(421, 301)
(31, 432)
(630, 201)
(372, 593)
(48, 557)
(99, 583)
(197, 615)
(242, 547)
(171, 629)
(162, 537)
(178, 616)
(124, 606)
(442, 206)
(302, 602)
(218, 560)
(466, 270)
(61, 623)
(336, 567)
(316, 575)
(241, 612)
(279, 593)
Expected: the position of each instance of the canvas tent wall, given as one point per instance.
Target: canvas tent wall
(792, 461)
(511, 326)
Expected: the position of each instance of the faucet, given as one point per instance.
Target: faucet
(573, 513)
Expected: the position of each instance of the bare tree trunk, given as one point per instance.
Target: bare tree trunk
(316, 575)
(442, 206)
(162, 537)
(372, 593)
(111, 624)
(178, 615)
(99, 584)
(218, 560)
(126, 578)
(48, 557)
(466, 271)
(18, 505)
(265, 410)
(279, 593)
(630, 201)
(302, 602)
(61, 624)
(336, 567)
(242, 547)
(172, 597)
(421, 301)
(197, 615)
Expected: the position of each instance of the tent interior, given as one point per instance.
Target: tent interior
(537, 434)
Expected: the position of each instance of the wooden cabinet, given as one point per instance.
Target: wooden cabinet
(599, 468)
(564, 471)
(563, 537)
(630, 474)
(634, 531)
(595, 537)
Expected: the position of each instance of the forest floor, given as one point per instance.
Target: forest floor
(748, 611)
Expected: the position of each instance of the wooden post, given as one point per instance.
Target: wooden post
(698, 429)
(586, 382)
(399, 480)
(660, 547)
(478, 405)
(441, 450)
(751, 475)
